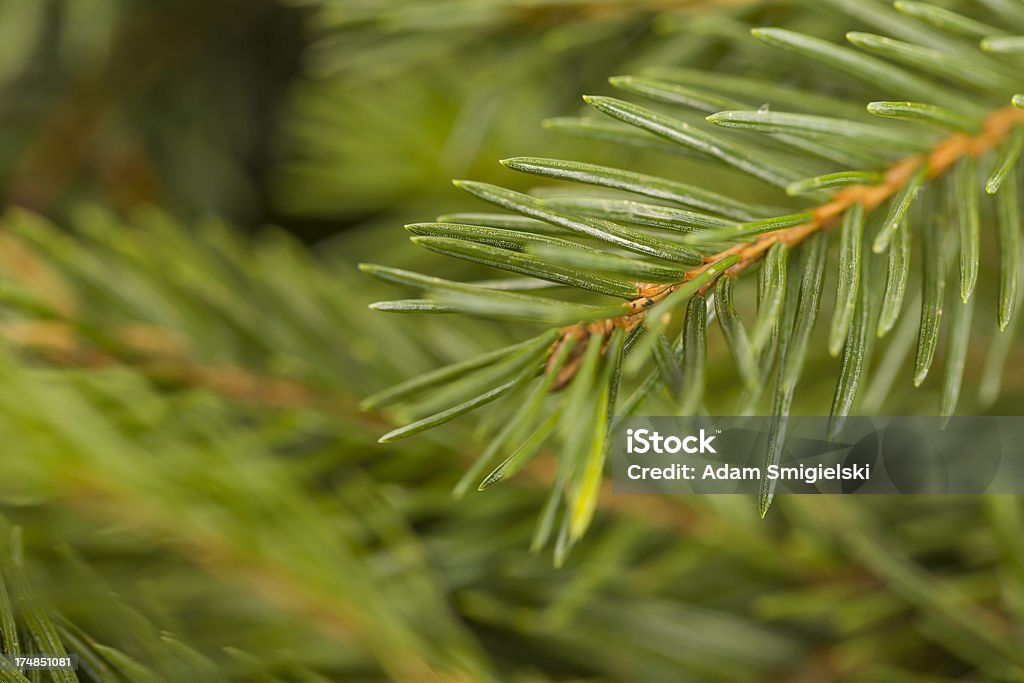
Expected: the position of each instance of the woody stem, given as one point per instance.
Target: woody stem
(943, 155)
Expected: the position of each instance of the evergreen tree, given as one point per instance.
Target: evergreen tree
(782, 206)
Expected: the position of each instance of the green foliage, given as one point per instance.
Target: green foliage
(949, 129)
(191, 491)
(175, 442)
(321, 555)
(441, 89)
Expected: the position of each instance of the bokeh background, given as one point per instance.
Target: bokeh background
(188, 489)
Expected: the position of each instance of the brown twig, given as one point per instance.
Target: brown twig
(164, 357)
(943, 155)
(57, 341)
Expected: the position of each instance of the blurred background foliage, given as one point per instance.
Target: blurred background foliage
(189, 491)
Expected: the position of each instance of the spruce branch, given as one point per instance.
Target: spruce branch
(162, 356)
(180, 404)
(926, 133)
(905, 173)
(222, 555)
